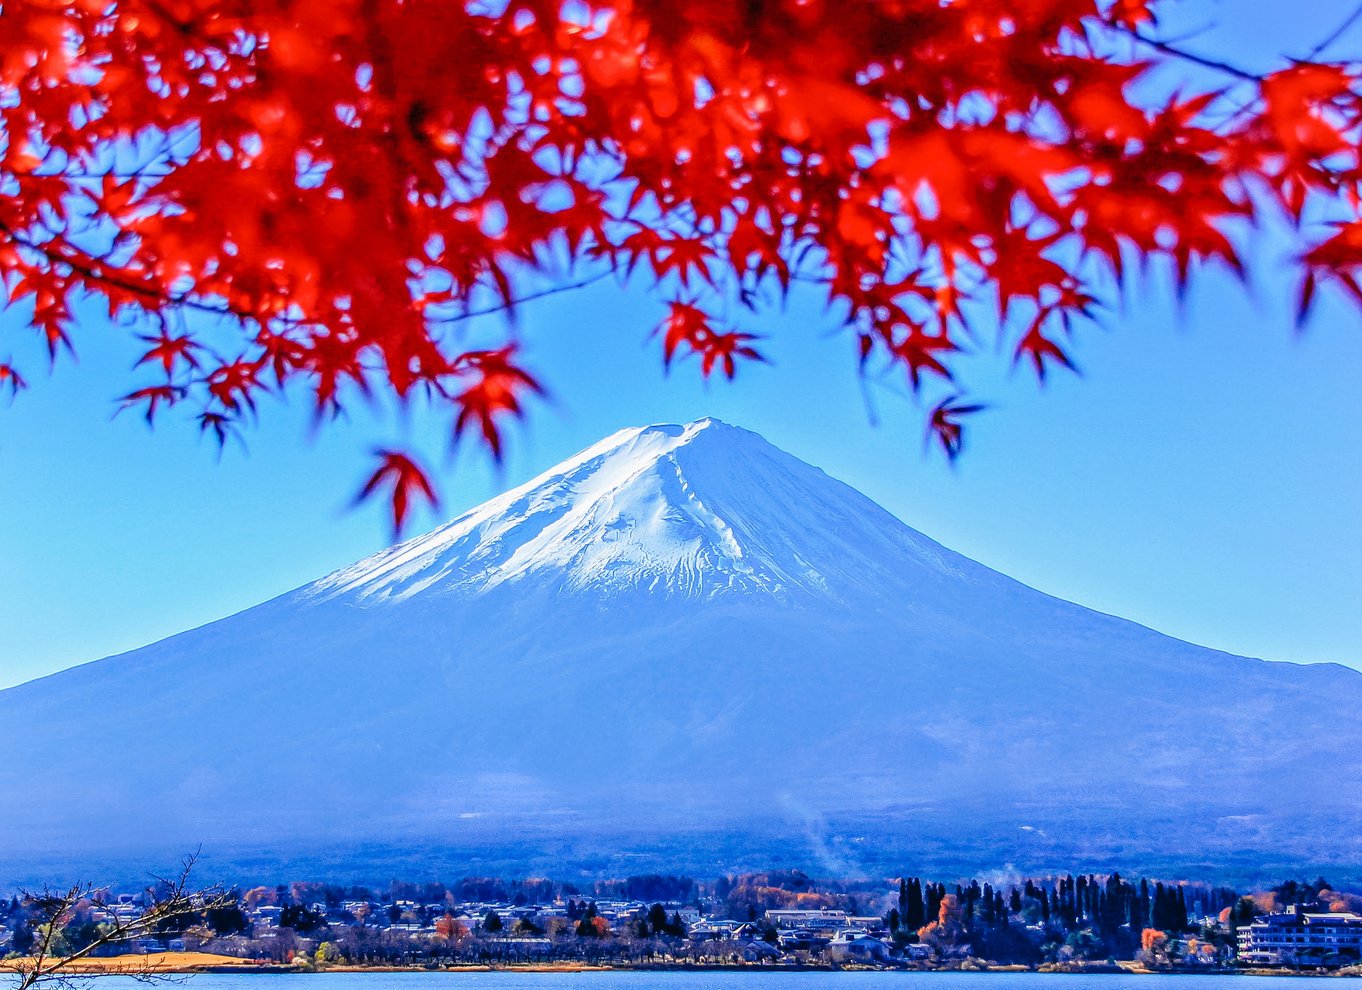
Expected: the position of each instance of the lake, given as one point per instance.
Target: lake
(716, 980)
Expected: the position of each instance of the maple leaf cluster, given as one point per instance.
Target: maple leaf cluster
(318, 193)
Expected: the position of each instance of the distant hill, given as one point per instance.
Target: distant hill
(681, 649)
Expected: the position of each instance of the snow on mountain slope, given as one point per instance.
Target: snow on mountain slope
(682, 646)
(699, 511)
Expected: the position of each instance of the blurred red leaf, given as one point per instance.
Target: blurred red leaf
(944, 426)
(11, 380)
(495, 392)
(404, 480)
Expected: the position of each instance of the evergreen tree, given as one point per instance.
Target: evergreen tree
(934, 894)
(1067, 904)
(1114, 904)
(657, 919)
(491, 923)
(914, 913)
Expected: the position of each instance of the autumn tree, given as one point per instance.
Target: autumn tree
(324, 196)
(947, 933)
(1153, 946)
(451, 928)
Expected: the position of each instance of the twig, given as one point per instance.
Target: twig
(1201, 60)
(1337, 33)
(47, 964)
(503, 307)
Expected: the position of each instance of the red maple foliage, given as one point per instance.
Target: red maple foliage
(315, 193)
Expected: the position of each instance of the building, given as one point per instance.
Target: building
(853, 946)
(807, 919)
(1299, 938)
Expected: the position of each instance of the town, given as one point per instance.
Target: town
(781, 919)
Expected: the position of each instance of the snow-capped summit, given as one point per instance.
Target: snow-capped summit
(680, 649)
(697, 510)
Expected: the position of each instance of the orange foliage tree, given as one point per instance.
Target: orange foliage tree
(1153, 941)
(319, 194)
(450, 927)
(948, 930)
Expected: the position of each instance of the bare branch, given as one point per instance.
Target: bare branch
(1205, 62)
(52, 962)
(506, 307)
(1334, 35)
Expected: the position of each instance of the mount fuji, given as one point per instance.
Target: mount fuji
(681, 648)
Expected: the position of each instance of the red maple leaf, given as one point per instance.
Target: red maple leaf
(405, 479)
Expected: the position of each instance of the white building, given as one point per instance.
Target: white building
(1298, 938)
(807, 919)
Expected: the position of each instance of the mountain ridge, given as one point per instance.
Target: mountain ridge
(631, 490)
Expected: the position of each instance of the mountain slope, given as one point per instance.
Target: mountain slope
(683, 645)
(696, 511)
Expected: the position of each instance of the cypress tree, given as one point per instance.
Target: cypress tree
(933, 900)
(916, 912)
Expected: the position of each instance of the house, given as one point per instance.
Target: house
(802, 939)
(706, 933)
(870, 924)
(689, 915)
(1299, 938)
(853, 946)
(755, 950)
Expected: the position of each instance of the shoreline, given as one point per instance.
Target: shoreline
(172, 964)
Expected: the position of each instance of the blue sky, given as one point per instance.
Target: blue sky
(1202, 476)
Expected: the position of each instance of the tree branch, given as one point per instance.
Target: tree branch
(48, 965)
(504, 307)
(1334, 35)
(1205, 62)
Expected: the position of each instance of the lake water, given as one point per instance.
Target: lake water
(717, 980)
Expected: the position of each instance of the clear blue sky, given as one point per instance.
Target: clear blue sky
(1203, 476)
